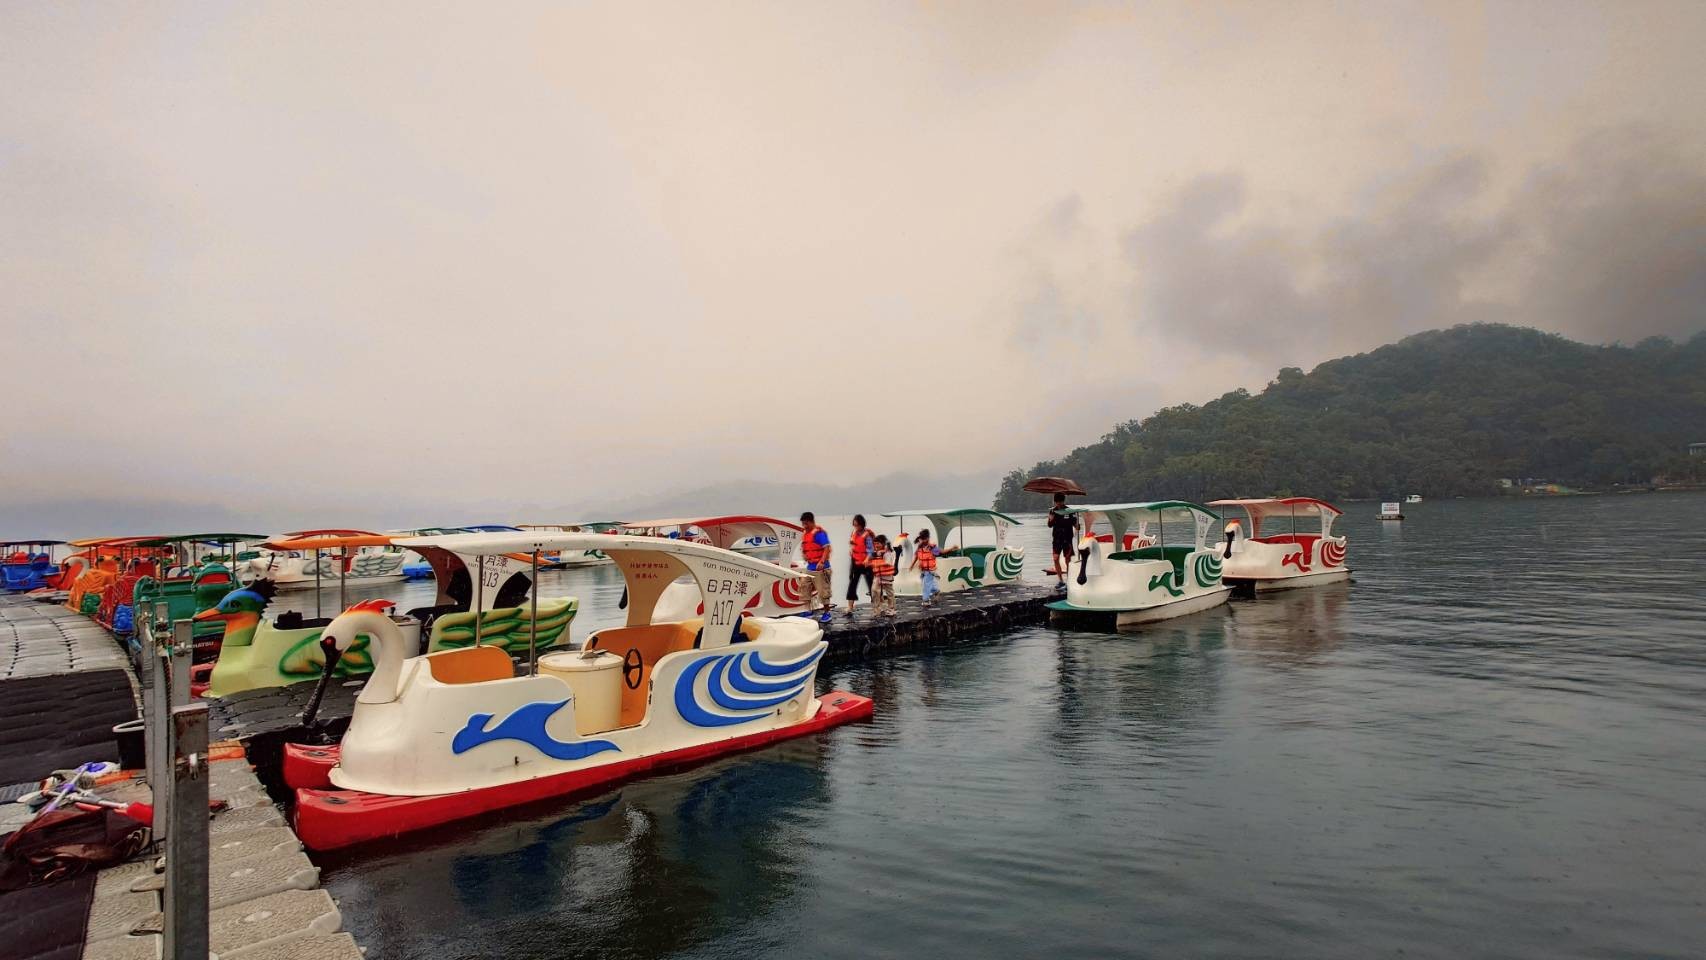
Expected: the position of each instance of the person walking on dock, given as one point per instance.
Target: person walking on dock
(882, 578)
(859, 559)
(815, 548)
(1064, 529)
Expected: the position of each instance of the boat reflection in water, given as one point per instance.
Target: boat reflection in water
(1146, 687)
(651, 869)
(1296, 625)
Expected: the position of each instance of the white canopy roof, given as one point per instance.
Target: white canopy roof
(648, 565)
(527, 541)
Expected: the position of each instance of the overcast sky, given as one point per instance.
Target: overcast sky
(304, 259)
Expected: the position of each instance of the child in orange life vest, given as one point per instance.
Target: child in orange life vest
(924, 554)
(882, 578)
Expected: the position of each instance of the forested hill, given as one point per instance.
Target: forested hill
(1442, 413)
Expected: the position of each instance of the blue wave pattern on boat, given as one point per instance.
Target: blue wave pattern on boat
(527, 724)
(730, 678)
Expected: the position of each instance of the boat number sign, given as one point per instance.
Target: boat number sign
(727, 589)
(494, 571)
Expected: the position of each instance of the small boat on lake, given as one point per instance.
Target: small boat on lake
(1282, 543)
(966, 567)
(459, 734)
(1413, 498)
(1123, 588)
(1391, 510)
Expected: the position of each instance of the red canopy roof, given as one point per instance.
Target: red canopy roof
(1277, 504)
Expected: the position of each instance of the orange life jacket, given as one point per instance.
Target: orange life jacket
(861, 540)
(926, 557)
(881, 565)
(813, 551)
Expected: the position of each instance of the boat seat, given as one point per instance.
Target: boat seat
(294, 620)
(471, 665)
(1305, 540)
(652, 643)
(979, 556)
(1174, 555)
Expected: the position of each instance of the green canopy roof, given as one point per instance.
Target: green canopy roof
(1122, 515)
(970, 516)
(948, 519)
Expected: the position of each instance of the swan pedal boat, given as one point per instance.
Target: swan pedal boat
(681, 600)
(457, 734)
(260, 652)
(979, 565)
(1128, 588)
(1270, 554)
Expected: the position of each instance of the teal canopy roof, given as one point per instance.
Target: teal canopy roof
(1122, 515)
(969, 516)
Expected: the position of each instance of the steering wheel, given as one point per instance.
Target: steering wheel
(632, 666)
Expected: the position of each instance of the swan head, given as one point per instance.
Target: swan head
(342, 632)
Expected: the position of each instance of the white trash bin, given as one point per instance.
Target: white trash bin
(597, 685)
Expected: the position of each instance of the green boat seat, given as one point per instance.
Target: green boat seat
(1175, 555)
(979, 556)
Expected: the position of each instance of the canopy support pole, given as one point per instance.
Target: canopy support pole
(479, 598)
(343, 580)
(533, 622)
(317, 613)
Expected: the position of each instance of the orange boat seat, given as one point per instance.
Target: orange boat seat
(650, 643)
(471, 665)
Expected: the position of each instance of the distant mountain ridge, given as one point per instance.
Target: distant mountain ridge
(1442, 413)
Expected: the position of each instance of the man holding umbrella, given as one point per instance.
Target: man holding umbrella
(1062, 525)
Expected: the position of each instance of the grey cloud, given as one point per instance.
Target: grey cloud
(1206, 271)
(1053, 306)
(1618, 240)
(1607, 244)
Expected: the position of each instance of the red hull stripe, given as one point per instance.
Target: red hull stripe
(327, 819)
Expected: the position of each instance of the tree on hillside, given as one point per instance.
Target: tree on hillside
(1443, 413)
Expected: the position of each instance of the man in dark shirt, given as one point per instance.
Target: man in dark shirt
(1065, 536)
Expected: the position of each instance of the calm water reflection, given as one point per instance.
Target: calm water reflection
(1489, 745)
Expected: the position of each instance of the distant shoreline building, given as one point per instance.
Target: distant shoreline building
(1697, 449)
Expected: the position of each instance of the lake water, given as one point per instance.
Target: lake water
(1491, 744)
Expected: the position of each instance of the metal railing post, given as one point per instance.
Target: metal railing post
(156, 710)
(186, 898)
(183, 645)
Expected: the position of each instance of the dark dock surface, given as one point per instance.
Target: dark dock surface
(264, 720)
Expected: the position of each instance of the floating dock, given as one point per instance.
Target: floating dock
(264, 896)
